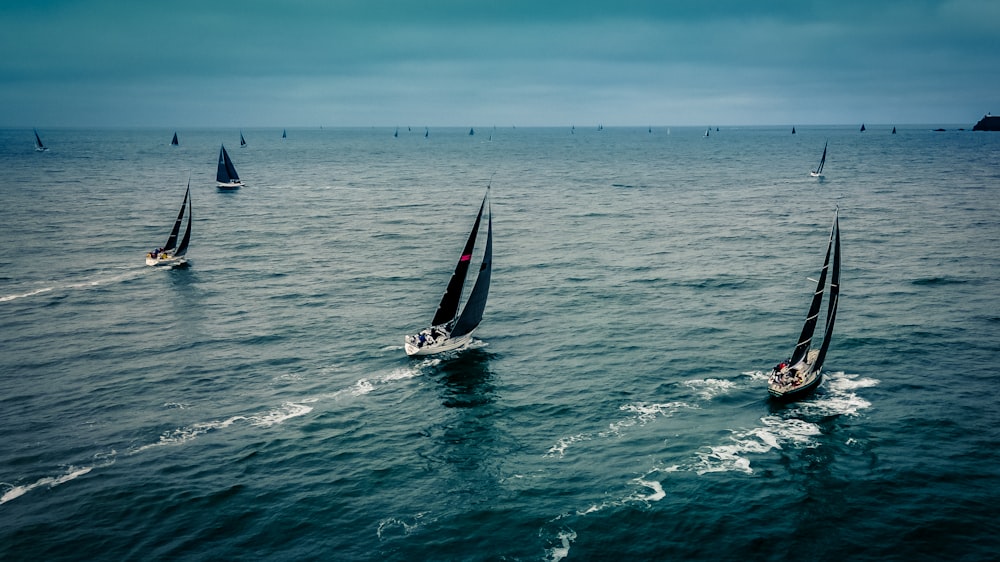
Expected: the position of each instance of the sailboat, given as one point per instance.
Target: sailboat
(284, 134)
(894, 130)
(226, 174)
(800, 374)
(818, 172)
(395, 135)
(450, 330)
(708, 132)
(472, 131)
(173, 141)
(38, 142)
(862, 127)
(172, 253)
(243, 141)
(793, 129)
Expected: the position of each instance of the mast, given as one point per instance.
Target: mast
(448, 307)
(472, 314)
(805, 338)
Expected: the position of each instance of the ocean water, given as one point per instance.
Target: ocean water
(259, 405)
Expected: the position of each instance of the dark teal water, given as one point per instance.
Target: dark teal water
(258, 405)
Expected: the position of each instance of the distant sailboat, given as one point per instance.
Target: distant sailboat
(243, 141)
(38, 142)
(894, 130)
(818, 172)
(226, 174)
(173, 142)
(801, 373)
(450, 330)
(284, 134)
(427, 132)
(172, 253)
(793, 129)
(708, 132)
(862, 127)
(396, 134)
(471, 131)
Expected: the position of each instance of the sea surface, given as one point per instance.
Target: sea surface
(258, 404)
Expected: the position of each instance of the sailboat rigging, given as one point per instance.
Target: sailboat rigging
(801, 373)
(450, 330)
(818, 172)
(172, 254)
(226, 174)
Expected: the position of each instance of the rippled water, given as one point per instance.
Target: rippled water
(258, 404)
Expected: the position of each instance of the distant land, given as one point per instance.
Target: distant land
(988, 123)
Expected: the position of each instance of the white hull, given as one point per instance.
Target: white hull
(166, 262)
(444, 344)
(815, 174)
(230, 185)
(794, 379)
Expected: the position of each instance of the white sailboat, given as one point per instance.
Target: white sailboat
(172, 254)
(801, 373)
(450, 330)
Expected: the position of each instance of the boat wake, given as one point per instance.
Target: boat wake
(641, 413)
(71, 473)
(186, 434)
(122, 277)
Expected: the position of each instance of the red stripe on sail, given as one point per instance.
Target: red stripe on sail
(466, 257)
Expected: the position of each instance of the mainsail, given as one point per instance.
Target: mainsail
(172, 239)
(38, 141)
(805, 338)
(242, 141)
(472, 314)
(831, 311)
(226, 172)
(173, 141)
(448, 307)
(822, 160)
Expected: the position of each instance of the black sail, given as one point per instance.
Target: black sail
(226, 172)
(822, 160)
(183, 246)
(174, 140)
(242, 141)
(805, 338)
(448, 307)
(472, 314)
(38, 140)
(172, 239)
(831, 311)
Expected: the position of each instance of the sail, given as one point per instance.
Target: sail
(448, 307)
(805, 338)
(472, 314)
(174, 140)
(226, 172)
(242, 141)
(862, 127)
(38, 141)
(283, 134)
(831, 311)
(172, 239)
(822, 160)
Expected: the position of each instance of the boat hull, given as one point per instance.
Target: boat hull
(230, 185)
(178, 261)
(799, 387)
(447, 344)
(815, 174)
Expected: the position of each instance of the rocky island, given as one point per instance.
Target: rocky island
(988, 123)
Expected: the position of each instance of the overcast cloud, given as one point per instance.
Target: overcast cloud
(382, 62)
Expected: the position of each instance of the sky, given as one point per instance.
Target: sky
(306, 63)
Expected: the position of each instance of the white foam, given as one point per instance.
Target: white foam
(71, 473)
(559, 449)
(644, 413)
(24, 295)
(657, 495)
(557, 553)
(288, 411)
(387, 526)
(708, 389)
(775, 433)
